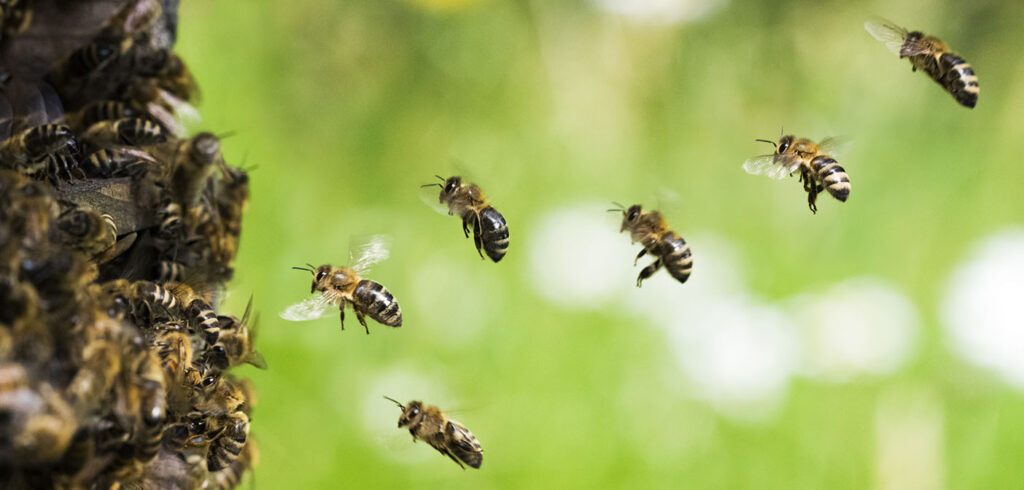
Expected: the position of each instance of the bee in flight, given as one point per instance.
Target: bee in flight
(428, 423)
(490, 232)
(931, 55)
(818, 170)
(652, 232)
(340, 285)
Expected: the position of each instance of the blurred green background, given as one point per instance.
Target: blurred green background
(555, 109)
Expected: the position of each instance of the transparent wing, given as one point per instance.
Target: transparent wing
(365, 252)
(307, 309)
(767, 165)
(430, 195)
(834, 146)
(890, 34)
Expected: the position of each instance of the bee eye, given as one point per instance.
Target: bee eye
(633, 215)
(320, 275)
(450, 186)
(783, 146)
(415, 412)
(209, 380)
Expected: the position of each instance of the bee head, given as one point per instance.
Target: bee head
(630, 217)
(318, 274)
(784, 143)
(410, 413)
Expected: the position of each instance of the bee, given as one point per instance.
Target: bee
(15, 16)
(155, 297)
(229, 441)
(343, 285)
(103, 110)
(34, 144)
(129, 131)
(191, 429)
(38, 423)
(194, 161)
(169, 270)
(114, 163)
(169, 220)
(90, 232)
(235, 344)
(215, 393)
(174, 348)
(652, 232)
(931, 55)
(230, 476)
(818, 170)
(428, 423)
(490, 232)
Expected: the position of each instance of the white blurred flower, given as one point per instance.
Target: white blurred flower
(858, 327)
(434, 281)
(980, 309)
(661, 11)
(578, 259)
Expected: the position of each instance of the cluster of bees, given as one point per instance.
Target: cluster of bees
(341, 286)
(115, 232)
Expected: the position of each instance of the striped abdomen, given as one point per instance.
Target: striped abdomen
(169, 270)
(493, 233)
(154, 407)
(205, 319)
(91, 58)
(958, 78)
(105, 110)
(373, 299)
(675, 255)
(109, 163)
(137, 131)
(156, 294)
(831, 176)
(224, 450)
(45, 139)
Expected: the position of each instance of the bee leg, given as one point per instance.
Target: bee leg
(477, 236)
(362, 321)
(812, 197)
(648, 272)
(450, 455)
(465, 228)
(343, 316)
(641, 254)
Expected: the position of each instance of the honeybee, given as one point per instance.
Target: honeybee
(818, 170)
(429, 424)
(91, 233)
(652, 232)
(931, 55)
(129, 131)
(174, 348)
(169, 270)
(232, 433)
(230, 476)
(35, 144)
(114, 163)
(343, 285)
(490, 232)
(194, 161)
(235, 344)
(215, 393)
(38, 423)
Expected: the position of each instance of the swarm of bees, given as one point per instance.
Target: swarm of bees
(115, 233)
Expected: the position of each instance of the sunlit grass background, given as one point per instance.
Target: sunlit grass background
(805, 352)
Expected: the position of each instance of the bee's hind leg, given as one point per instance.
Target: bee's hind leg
(648, 272)
(362, 321)
(643, 252)
(342, 316)
(477, 236)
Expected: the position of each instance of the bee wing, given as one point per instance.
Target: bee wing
(431, 197)
(892, 35)
(256, 359)
(767, 165)
(365, 252)
(307, 309)
(834, 146)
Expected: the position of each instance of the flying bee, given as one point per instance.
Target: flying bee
(652, 232)
(343, 285)
(931, 55)
(34, 144)
(818, 170)
(129, 131)
(428, 423)
(467, 201)
(235, 345)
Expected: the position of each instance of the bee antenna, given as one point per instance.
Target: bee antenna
(439, 177)
(226, 134)
(767, 141)
(395, 401)
(303, 269)
(430, 185)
